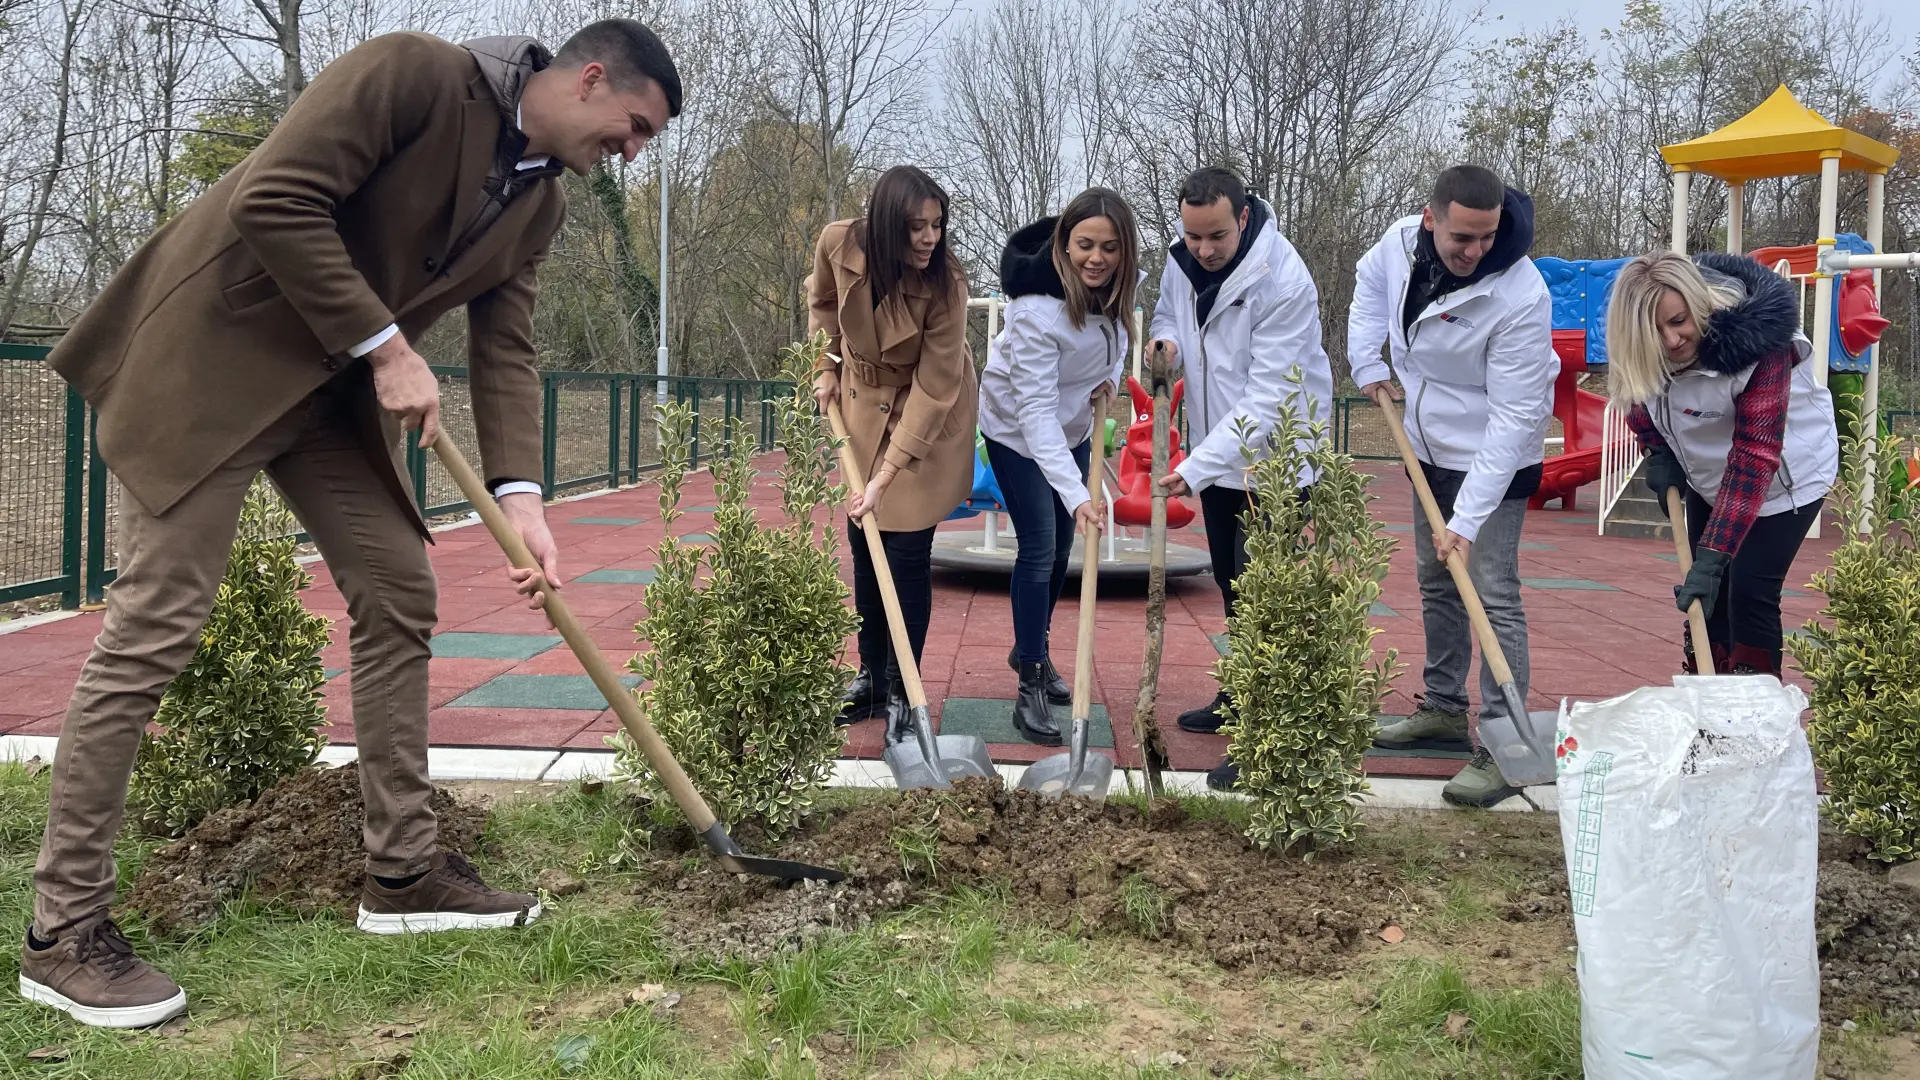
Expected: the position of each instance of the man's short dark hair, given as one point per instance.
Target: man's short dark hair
(1469, 185)
(629, 51)
(1209, 185)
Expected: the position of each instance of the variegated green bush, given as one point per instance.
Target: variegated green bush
(1301, 675)
(744, 672)
(1863, 657)
(247, 710)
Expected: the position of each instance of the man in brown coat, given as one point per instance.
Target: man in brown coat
(267, 328)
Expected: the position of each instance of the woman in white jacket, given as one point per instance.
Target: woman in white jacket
(1071, 283)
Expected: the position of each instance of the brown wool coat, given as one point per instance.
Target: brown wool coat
(334, 227)
(907, 386)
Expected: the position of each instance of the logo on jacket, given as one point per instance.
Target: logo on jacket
(1450, 317)
(1697, 414)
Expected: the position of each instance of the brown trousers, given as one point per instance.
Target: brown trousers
(171, 566)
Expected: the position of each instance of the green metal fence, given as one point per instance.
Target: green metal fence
(58, 503)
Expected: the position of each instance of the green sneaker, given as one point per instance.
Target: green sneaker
(1428, 729)
(1479, 784)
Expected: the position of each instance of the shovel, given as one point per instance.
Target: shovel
(1696, 617)
(1077, 772)
(1524, 756)
(1146, 729)
(917, 757)
(725, 851)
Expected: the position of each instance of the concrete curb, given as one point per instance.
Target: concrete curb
(493, 763)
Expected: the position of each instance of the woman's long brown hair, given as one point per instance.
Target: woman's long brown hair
(897, 196)
(1115, 299)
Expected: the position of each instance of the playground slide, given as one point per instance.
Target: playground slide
(1581, 420)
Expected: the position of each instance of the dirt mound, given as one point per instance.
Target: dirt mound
(1068, 864)
(1869, 931)
(299, 844)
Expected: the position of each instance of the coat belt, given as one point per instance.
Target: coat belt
(877, 374)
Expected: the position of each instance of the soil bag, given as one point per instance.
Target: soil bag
(1691, 828)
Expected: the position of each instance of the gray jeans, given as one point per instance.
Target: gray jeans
(1494, 567)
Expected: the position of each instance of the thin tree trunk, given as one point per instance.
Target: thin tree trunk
(37, 221)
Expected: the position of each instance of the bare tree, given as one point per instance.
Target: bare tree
(73, 16)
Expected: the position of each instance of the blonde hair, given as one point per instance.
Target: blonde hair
(1637, 366)
(1115, 299)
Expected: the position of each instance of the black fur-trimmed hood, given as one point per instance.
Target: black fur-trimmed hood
(1026, 263)
(1759, 327)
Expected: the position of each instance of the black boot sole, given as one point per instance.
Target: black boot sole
(1201, 727)
(851, 716)
(1454, 746)
(1037, 738)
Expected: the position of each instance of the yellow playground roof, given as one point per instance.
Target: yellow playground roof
(1781, 137)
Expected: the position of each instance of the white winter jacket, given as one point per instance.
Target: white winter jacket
(1036, 392)
(1265, 321)
(1478, 367)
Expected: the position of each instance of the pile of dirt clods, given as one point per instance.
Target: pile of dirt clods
(1068, 863)
(298, 844)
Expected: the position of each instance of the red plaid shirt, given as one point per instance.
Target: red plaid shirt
(1759, 428)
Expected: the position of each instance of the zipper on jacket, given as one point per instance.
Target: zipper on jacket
(1206, 369)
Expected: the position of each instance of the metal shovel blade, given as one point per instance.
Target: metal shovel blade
(934, 761)
(1075, 772)
(1522, 743)
(728, 854)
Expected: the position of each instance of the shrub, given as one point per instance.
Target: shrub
(1303, 684)
(1863, 657)
(745, 668)
(247, 710)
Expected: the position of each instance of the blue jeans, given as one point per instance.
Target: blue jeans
(1044, 531)
(1494, 567)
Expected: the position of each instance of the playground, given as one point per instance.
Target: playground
(975, 930)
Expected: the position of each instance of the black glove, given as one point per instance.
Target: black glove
(1703, 581)
(1663, 472)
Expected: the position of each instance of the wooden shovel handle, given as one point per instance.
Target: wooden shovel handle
(896, 622)
(1089, 573)
(1490, 651)
(1696, 616)
(632, 717)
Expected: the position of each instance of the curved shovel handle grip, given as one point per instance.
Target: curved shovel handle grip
(889, 598)
(1490, 651)
(672, 776)
(1696, 616)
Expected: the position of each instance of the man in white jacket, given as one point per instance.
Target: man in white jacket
(1240, 310)
(1468, 325)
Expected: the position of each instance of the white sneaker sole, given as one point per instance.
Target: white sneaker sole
(427, 922)
(126, 1016)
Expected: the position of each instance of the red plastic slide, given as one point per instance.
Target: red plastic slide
(1581, 420)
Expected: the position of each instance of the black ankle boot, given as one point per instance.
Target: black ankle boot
(1058, 692)
(1031, 715)
(899, 711)
(863, 699)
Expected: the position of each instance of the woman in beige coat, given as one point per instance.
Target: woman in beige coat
(893, 300)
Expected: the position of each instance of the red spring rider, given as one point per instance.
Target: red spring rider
(1135, 504)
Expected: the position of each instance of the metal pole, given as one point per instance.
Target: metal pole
(1736, 218)
(1822, 332)
(660, 358)
(1870, 396)
(1682, 179)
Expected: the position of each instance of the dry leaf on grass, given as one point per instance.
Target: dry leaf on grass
(48, 1053)
(1457, 1023)
(1393, 935)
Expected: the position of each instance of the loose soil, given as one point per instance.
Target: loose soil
(1068, 864)
(298, 844)
(1869, 933)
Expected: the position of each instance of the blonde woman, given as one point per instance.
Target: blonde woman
(1709, 354)
(1071, 282)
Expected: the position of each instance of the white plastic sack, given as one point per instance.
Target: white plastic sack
(1690, 822)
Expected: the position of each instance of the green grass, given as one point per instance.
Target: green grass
(1532, 1032)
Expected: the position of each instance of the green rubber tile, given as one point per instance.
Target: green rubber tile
(537, 692)
(1535, 545)
(329, 673)
(1221, 642)
(1671, 557)
(992, 720)
(696, 538)
(608, 521)
(610, 576)
(1397, 528)
(1581, 519)
(1382, 611)
(474, 646)
(696, 509)
(1794, 592)
(1567, 584)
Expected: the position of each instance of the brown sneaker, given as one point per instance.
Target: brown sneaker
(91, 974)
(449, 896)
